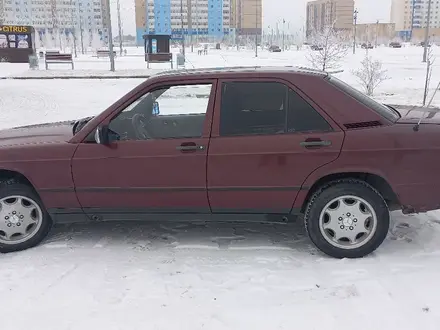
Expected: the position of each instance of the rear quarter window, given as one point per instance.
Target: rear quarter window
(377, 107)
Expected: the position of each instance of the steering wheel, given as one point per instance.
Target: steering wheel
(139, 123)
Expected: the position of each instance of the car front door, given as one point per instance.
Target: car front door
(267, 137)
(156, 159)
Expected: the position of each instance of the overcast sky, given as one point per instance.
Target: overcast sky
(293, 11)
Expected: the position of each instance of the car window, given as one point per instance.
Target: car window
(249, 108)
(165, 113)
(379, 108)
(266, 108)
(302, 117)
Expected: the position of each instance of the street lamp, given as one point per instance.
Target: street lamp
(284, 22)
(110, 36)
(181, 23)
(256, 28)
(377, 32)
(425, 50)
(355, 16)
(72, 8)
(119, 27)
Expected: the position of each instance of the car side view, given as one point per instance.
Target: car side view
(237, 144)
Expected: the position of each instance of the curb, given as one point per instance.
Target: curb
(73, 77)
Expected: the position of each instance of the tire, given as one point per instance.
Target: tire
(331, 202)
(19, 203)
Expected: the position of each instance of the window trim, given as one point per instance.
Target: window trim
(217, 111)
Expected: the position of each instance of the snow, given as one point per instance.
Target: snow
(220, 276)
(212, 276)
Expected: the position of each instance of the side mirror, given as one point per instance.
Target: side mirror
(101, 135)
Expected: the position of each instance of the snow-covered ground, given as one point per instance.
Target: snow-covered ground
(212, 276)
(119, 276)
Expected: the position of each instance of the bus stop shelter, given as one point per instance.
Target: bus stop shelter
(157, 49)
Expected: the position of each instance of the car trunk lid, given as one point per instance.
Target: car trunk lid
(413, 115)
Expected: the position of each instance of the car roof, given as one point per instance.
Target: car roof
(251, 70)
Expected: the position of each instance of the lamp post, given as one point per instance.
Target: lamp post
(72, 8)
(284, 22)
(425, 50)
(110, 37)
(377, 31)
(119, 27)
(181, 23)
(256, 28)
(355, 27)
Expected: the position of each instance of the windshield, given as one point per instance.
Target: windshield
(385, 111)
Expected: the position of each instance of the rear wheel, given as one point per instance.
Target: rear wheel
(347, 219)
(24, 222)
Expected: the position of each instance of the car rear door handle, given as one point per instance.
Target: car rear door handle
(316, 143)
(188, 147)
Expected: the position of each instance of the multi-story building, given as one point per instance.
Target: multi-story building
(411, 16)
(324, 13)
(380, 33)
(84, 18)
(198, 18)
(201, 19)
(248, 16)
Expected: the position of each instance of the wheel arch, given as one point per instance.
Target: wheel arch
(378, 182)
(9, 176)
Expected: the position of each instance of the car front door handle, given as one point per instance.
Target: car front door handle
(316, 143)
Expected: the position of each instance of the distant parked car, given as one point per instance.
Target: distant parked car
(367, 46)
(423, 44)
(261, 144)
(274, 49)
(395, 44)
(316, 47)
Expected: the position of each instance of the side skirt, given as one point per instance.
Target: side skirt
(98, 215)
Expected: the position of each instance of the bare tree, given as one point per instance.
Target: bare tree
(429, 63)
(329, 47)
(370, 74)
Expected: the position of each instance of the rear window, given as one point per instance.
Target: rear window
(379, 108)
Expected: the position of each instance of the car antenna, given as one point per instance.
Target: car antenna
(417, 126)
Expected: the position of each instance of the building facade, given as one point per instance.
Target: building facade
(410, 16)
(324, 13)
(202, 20)
(199, 18)
(248, 17)
(375, 33)
(54, 18)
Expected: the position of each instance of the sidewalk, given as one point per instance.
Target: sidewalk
(81, 74)
(100, 76)
(84, 69)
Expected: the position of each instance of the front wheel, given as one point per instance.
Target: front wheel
(347, 219)
(24, 222)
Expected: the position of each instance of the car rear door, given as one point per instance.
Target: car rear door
(163, 171)
(267, 137)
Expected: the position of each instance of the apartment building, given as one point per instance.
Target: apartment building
(85, 17)
(413, 14)
(202, 19)
(248, 17)
(411, 17)
(199, 18)
(323, 13)
(380, 33)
